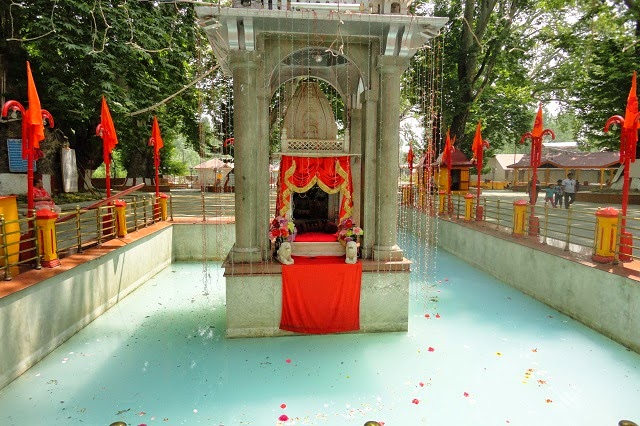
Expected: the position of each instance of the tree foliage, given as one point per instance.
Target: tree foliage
(134, 53)
(497, 60)
(598, 50)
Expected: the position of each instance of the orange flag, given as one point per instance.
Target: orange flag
(109, 136)
(157, 140)
(537, 125)
(33, 124)
(410, 157)
(478, 143)
(448, 149)
(632, 109)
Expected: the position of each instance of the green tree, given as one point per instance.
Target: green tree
(595, 49)
(137, 54)
(483, 74)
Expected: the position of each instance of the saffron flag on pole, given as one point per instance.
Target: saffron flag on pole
(157, 141)
(630, 126)
(33, 125)
(109, 136)
(448, 149)
(478, 145)
(537, 124)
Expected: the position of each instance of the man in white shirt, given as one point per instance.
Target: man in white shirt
(569, 189)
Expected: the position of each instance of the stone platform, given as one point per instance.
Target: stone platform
(313, 249)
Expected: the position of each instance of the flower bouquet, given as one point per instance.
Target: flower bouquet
(348, 231)
(282, 229)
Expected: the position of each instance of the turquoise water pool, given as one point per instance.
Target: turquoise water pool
(477, 353)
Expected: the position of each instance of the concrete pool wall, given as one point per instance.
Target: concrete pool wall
(56, 303)
(607, 302)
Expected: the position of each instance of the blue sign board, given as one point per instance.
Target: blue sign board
(16, 163)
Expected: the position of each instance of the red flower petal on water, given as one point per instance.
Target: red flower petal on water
(466, 394)
(288, 360)
(437, 315)
(431, 349)
(416, 401)
(283, 406)
(427, 316)
(283, 418)
(421, 384)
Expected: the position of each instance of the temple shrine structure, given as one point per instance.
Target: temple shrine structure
(360, 49)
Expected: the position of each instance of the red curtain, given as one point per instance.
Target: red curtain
(317, 302)
(299, 174)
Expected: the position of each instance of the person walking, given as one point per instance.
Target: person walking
(569, 190)
(558, 193)
(549, 195)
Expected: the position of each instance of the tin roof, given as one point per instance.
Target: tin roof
(504, 160)
(214, 163)
(572, 160)
(458, 159)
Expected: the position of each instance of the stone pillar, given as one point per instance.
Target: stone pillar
(368, 187)
(355, 132)
(246, 132)
(262, 151)
(390, 69)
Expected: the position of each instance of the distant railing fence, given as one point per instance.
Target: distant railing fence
(604, 235)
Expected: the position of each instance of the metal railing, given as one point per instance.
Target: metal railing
(78, 230)
(18, 246)
(570, 229)
(573, 229)
(81, 229)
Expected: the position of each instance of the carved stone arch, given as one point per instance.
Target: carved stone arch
(339, 70)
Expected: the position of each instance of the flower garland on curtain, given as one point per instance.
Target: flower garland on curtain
(299, 174)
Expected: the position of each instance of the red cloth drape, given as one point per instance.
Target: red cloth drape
(299, 174)
(317, 303)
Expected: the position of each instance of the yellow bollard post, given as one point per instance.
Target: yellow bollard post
(606, 235)
(163, 206)
(468, 207)
(11, 235)
(46, 226)
(121, 217)
(519, 215)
